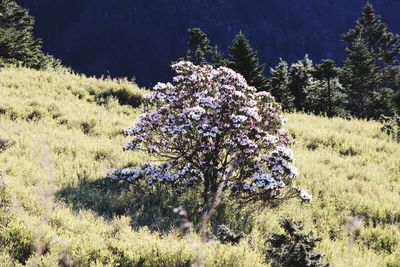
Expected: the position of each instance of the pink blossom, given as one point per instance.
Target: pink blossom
(209, 121)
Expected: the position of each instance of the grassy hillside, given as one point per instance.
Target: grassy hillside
(56, 207)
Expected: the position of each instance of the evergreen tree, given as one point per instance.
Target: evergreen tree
(199, 47)
(300, 80)
(391, 79)
(396, 82)
(315, 97)
(327, 72)
(360, 78)
(382, 49)
(17, 43)
(381, 102)
(295, 247)
(245, 61)
(218, 59)
(201, 52)
(383, 45)
(279, 85)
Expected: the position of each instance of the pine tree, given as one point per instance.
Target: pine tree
(327, 72)
(17, 43)
(315, 97)
(383, 45)
(279, 85)
(395, 74)
(360, 78)
(199, 47)
(218, 59)
(382, 49)
(300, 80)
(295, 247)
(245, 61)
(201, 52)
(391, 79)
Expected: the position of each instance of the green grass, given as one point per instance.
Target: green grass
(57, 208)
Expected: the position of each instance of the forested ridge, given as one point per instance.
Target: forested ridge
(101, 37)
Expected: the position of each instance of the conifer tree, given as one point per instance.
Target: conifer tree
(17, 43)
(200, 51)
(244, 60)
(218, 59)
(391, 80)
(279, 85)
(326, 72)
(395, 80)
(383, 45)
(199, 47)
(371, 36)
(295, 247)
(300, 80)
(360, 78)
(315, 97)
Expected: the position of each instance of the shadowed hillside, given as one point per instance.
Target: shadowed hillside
(287, 29)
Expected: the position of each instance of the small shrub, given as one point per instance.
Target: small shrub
(294, 248)
(382, 240)
(226, 235)
(349, 151)
(101, 154)
(9, 112)
(124, 97)
(54, 111)
(5, 144)
(19, 240)
(312, 146)
(35, 115)
(66, 260)
(391, 126)
(88, 126)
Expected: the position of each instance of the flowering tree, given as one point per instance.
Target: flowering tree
(212, 130)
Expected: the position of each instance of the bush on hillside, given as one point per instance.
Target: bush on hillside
(226, 235)
(124, 96)
(5, 144)
(216, 134)
(294, 248)
(391, 126)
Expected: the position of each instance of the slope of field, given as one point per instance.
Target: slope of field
(56, 208)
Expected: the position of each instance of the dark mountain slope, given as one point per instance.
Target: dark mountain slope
(127, 37)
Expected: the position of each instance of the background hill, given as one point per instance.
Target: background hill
(100, 37)
(56, 207)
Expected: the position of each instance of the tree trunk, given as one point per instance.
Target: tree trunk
(206, 191)
(213, 199)
(329, 99)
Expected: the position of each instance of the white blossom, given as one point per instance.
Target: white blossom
(214, 116)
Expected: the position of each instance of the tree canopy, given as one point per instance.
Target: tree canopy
(17, 43)
(244, 60)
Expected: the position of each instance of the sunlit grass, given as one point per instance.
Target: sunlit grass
(67, 133)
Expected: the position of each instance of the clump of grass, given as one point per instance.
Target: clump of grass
(124, 96)
(391, 126)
(5, 144)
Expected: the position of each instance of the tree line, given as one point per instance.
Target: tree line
(17, 43)
(367, 85)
